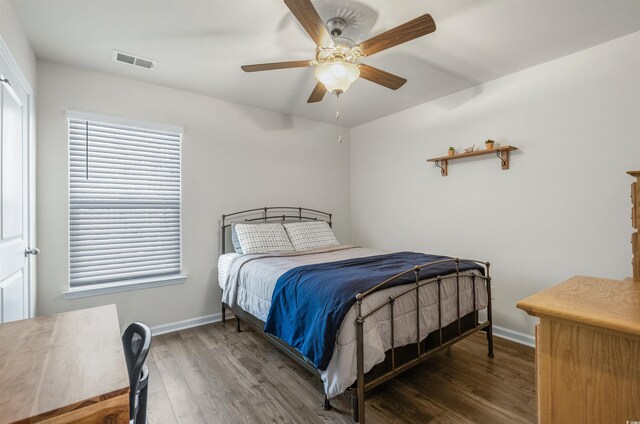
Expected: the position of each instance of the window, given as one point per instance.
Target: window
(124, 202)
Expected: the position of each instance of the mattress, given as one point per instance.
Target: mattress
(248, 282)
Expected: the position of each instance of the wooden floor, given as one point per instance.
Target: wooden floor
(210, 374)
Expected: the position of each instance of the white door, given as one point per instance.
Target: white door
(14, 252)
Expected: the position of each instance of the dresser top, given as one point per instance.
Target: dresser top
(598, 302)
(59, 363)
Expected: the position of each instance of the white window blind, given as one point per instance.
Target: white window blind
(124, 202)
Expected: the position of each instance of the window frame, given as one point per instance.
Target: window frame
(96, 289)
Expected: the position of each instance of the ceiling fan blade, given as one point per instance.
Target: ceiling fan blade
(277, 65)
(307, 15)
(408, 31)
(381, 77)
(317, 94)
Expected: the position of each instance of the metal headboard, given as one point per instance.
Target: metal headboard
(271, 214)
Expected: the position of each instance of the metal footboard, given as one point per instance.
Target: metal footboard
(362, 386)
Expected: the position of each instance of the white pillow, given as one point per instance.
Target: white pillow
(263, 238)
(310, 235)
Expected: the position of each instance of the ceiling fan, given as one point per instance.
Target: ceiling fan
(337, 59)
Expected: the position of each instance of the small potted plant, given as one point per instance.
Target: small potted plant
(452, 151)
(489, 144)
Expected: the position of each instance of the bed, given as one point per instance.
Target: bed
(389, 325)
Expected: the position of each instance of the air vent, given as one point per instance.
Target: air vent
(133, 60)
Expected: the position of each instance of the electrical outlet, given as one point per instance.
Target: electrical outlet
(493, 292)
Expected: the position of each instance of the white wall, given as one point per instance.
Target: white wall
(562, 209)
(234, 157)
(14, 37)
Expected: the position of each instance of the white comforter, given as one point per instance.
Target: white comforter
(248, 282)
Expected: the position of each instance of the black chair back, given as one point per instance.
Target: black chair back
(136, 341)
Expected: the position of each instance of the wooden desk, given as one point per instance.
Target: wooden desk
(64, 368)
(587, 351)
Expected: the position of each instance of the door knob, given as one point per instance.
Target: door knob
(29, 251)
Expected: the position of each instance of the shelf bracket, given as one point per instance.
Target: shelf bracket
(503, 155)
(443, 168)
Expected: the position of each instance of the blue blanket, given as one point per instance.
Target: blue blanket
(310, 302)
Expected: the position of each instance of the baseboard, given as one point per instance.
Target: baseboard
(505, 333)
(188, 323)
(514, 336)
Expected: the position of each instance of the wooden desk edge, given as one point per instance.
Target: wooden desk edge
(78, 406)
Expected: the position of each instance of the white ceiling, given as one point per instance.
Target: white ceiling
(200, 45)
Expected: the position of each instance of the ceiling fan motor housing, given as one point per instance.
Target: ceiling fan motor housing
(336, 26)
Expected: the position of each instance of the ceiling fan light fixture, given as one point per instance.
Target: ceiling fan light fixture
(337, 76)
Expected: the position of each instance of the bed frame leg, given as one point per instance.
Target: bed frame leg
(238, 329)
(489, 329)
(490, 340)
(354, 407)
(360, 359)
(224, 318)
(327, 404)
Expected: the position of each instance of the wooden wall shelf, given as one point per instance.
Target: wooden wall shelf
(502, 153)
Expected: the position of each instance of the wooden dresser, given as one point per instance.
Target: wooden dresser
(635, 222)
(64, 368)
(587, 351)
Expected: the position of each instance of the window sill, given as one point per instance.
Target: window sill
(108, 288)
